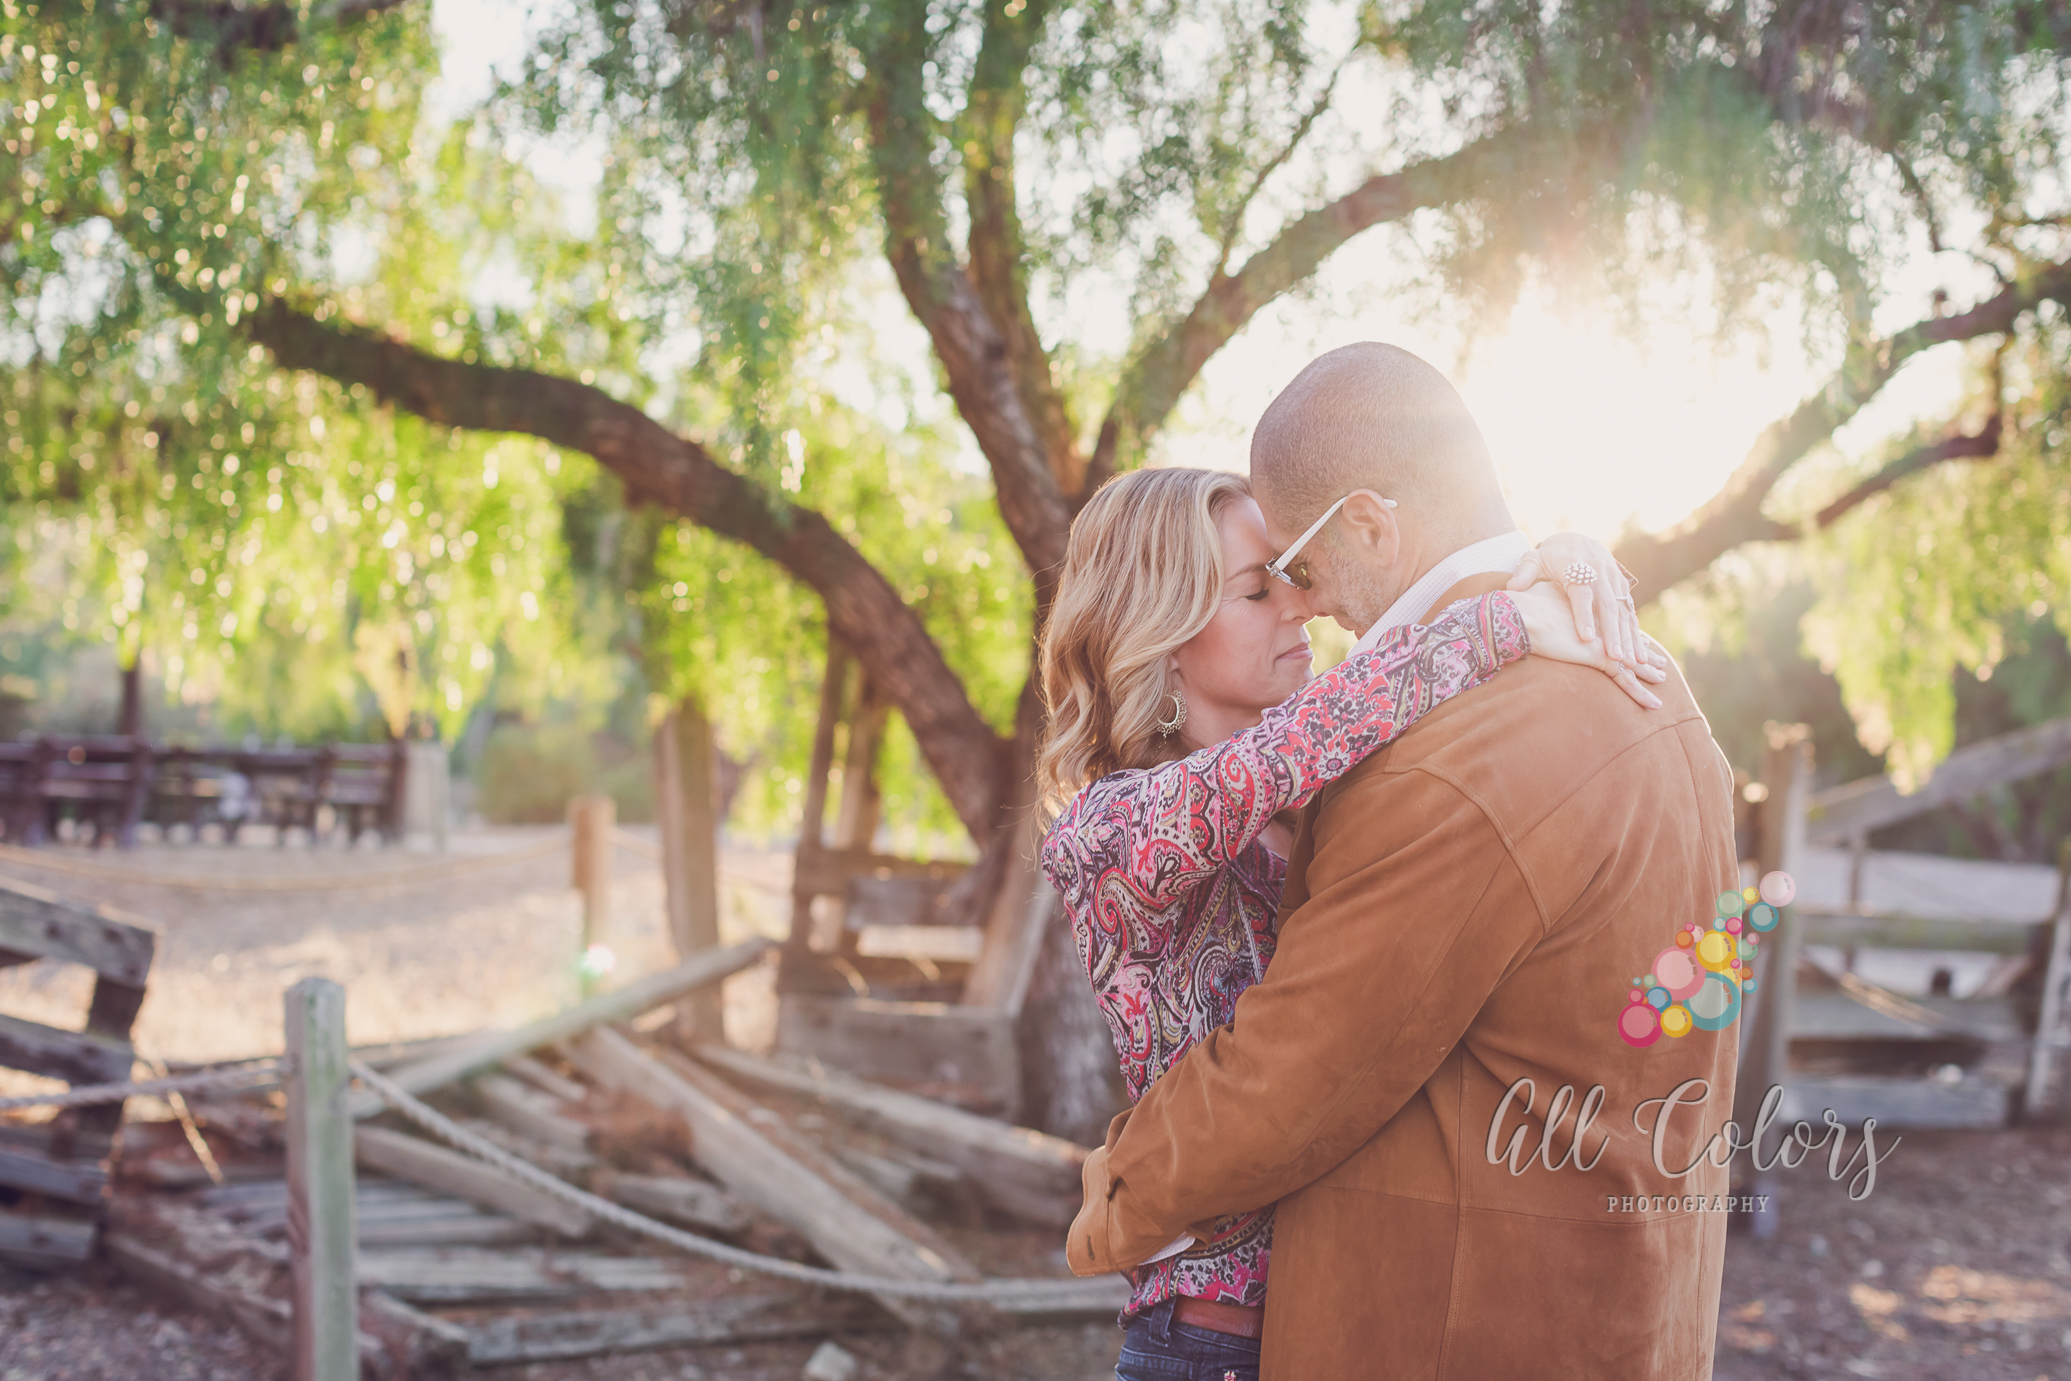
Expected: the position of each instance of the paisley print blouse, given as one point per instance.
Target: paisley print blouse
(1173, 895)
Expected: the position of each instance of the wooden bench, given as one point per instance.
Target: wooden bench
(364, 784)
(287, 788)
(54, 1175)
(100, 783)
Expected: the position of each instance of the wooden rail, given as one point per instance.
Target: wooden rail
(35, 924)
(1839, 814)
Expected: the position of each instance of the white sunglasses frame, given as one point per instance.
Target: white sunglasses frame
(1277, 567)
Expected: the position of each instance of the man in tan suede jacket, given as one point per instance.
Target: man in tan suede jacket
(1467, 909)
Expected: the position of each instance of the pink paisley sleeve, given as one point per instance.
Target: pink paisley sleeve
(1153, 832)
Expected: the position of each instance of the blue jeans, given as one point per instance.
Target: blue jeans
(1157, 1349)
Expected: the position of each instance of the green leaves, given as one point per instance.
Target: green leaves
(1930, 576)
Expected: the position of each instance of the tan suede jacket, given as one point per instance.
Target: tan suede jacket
(1467, 908)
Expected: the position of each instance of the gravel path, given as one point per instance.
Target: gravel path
(486, 948)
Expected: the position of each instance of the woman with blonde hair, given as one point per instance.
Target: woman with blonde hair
(1183, 721)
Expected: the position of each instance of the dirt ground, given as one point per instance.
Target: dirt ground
(1957, 1266)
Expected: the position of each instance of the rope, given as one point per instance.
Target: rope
(984, 1292)
(305, 882)
(245, 1079)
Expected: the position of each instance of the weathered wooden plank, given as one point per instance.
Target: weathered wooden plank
(109, 1015)
(319, 1182)
(2056, 972)
(908, 1042)
(1097, 1300)
(272, 1190)
(820, 1163)
(1894, 931)
(420, 1346)
(81, 1182)
(1837, 1016)
(545, 1079)
(36, 922)
(439, 1168)
(478, 1230)
(675, 1199)
(1970, 1102)
(750, 1164)
(924, 1187)
(754, 1318)
(55, 1141)
(492, 1048)
(573, 1166)
(73, 1056)
(451, 1276)
(1028, 1173)
(193, 1259)
(826, 872)
(1835, 815)
(529, 1112)
(179, 1277)
(45, 1243)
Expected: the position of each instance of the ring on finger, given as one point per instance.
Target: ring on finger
(1578, 573)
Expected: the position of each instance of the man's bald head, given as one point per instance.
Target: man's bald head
(1373, 416)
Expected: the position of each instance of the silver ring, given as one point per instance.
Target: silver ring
(1579, 573)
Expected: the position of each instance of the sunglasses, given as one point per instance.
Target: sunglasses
(1298, 574)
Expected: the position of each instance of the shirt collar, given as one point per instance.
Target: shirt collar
(1490, 556)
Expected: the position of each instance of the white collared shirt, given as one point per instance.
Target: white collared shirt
(1490, 556)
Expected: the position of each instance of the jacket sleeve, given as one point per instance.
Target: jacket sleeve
(1415, 913)
(1156, 831)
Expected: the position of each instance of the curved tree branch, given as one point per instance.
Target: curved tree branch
(1164, 366)
(993, 111)
(1235, 227)
(1982, 446)
(970, 344)
(659, 467)
(1734, 515)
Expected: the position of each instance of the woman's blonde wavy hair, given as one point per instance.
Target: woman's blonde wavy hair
(1142, 574)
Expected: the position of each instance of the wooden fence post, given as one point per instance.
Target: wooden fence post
(1766, 1034)
(687, 807)
(2042, 1054)
(591, 818)
(320, 1194)
(812, 830)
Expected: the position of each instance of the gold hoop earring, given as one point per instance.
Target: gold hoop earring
(1168, 727)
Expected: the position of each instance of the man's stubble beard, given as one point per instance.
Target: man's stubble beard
(1363, 594)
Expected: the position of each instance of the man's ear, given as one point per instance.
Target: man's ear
(1371, 528)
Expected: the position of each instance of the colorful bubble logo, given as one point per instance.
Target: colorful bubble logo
(1697, 983)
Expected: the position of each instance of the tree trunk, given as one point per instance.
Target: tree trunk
(129, 721)
(1071, 1083)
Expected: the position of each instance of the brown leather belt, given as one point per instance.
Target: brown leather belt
(1242, 1320)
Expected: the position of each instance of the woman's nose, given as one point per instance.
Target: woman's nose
(1297, 605)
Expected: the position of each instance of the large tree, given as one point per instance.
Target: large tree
(1010, 168)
